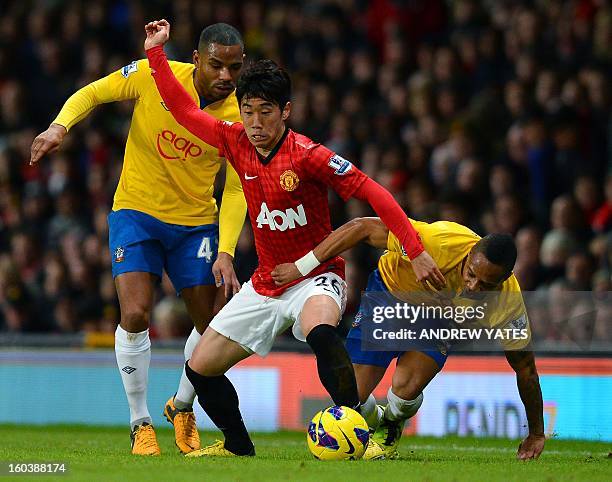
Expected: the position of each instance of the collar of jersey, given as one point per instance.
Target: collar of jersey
(203, 102)
(266, 160)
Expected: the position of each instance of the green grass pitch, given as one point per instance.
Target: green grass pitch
(96, 453)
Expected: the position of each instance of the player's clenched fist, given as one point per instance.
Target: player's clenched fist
(46, 142)
(285, 273)
(158, 33)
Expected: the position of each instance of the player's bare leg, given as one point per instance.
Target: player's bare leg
(412, 374)
(133, 351)
(212, 357)
(215, 354)
(201, 303)
(368, 377)
(319, 317)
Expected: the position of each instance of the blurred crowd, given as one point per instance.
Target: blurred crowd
(494, 114)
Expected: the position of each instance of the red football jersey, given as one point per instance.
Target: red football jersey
(286, 195)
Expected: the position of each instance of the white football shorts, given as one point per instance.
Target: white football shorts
(254, 320)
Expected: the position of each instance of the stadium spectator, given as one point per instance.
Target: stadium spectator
(528, 268)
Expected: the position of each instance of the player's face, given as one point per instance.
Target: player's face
(263, 121)
(479, 274)
(217, 70)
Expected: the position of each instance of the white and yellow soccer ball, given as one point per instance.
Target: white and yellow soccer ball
(337, 433)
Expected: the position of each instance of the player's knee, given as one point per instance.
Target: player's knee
(318, 310)
(207, 368)
(135, 319)
(212, 369)
(206, 365)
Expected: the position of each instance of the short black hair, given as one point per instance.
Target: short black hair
(265, 80)
(499, 249)
(220, 33)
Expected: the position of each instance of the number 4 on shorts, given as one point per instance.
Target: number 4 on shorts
(205, 250)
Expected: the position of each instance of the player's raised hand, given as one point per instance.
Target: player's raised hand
(285, 273)
(427, 271)
(223, 271)
(46, 142)
(531, 447)
(158, 33)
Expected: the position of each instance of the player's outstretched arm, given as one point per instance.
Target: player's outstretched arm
(176, 98)
(338, 173)
(370, 230)
(390, 212)
(528, 383)
(114, 87)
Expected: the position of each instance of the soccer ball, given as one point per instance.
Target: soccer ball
(338, 433)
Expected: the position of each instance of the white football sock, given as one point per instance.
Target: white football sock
(398, 409)
(371, 412)
(133, 352)
(185, 395)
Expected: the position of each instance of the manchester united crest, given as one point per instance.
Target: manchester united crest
(289, 180)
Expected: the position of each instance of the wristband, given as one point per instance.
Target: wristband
(307, 263)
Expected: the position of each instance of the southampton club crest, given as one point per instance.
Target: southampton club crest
(289, 180)
(119, 252)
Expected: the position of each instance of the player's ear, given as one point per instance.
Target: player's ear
(286, 111)
(196, 58)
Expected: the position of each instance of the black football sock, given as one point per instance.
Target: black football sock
(219, 400)
(334, 365)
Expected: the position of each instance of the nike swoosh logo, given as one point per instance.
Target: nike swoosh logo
(351, 446)
(248, 178)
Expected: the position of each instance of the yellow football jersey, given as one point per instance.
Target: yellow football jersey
(167, 172)
(448, 244)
